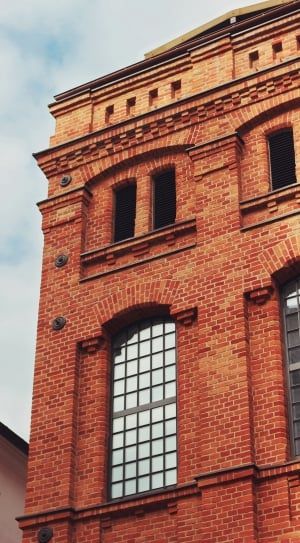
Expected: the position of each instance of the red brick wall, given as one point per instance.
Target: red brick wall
(217, 272)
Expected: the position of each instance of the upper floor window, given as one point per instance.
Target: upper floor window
(143, 441)
(282, 159)
(164, 197)
(291, 314)
(125, 207)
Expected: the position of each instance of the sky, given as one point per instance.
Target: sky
(46, 48)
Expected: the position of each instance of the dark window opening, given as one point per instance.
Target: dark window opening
(143, 435)
(282, 159)
(277, 49)
(253, 59)
(176, 89)
(164, 208)
(125, 206)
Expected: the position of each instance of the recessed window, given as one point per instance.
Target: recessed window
(153, 97)
(253, 59)
(176, 89)
(125, 208)
(130, 105)
(164, 199)
(282, 159)
(109, 111)
(143, 439)
(277, 49)
(291, 314)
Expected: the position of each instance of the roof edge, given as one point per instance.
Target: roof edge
(14, 439)
(252, 8)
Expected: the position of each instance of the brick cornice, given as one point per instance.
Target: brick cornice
(163, 121)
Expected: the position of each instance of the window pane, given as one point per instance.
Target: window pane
(145, 363)
(118, 440)
(157, 377)
(295, 377)
(117, 457)
(132, 351)
(116, 490)
(132, 367)
(293, 338)
(130, 470)
(170, 389)
(170, 357)
(170, 410)
(291, 305)
(145, 330)
(117, 473)
(294, 355)
(170, 443)
(292, 322)
(157, 480)
(130, 487)
(157, 329)
(144, 484)
(169, 341)
(131, 384)
(158, 446)
(130, 437)
(171, 427)
(171, 477)
(157, 393)
(144, 450)
(157, 463)
(131, 400)
(119, 387)
(170, 373)
(119, 371)
(144, 396)
(157, 430)
(119, 404)
(131, 421)
(145, 348)
(144, 433)
(157, 360)
(144, 417)
(118, 424)
(119, 355)
(144, 467)
(130, 454)
(144, 381)
(157, 344)
(157, 414)
(171, 460)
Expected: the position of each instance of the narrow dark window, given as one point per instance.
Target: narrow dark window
(277, 49)
(164, 196)
(176, 89)
(125, 204)
(291, 314)
(143, 436)
(109, 113)
(282, 159)
(253, 59)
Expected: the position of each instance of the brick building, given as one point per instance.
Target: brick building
(171, 276)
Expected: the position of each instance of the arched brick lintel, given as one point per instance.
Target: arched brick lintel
(263, 114)
(99, 169)
(282, 261)
(131, 303)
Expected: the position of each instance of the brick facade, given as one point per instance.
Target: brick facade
(205, 108)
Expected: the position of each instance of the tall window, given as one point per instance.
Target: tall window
(282, 159)
(125, 206)
(143, 441)
(164, 196)
(291, 310)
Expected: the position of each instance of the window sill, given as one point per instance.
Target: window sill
(138, 250)
(270, 206)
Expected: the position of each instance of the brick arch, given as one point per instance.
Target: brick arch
(163, 296)
(282, 261)
(264, 114)
(112, 164)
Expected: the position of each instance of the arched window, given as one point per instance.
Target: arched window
(143, 440)
(291, 311)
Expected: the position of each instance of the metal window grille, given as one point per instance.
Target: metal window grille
(291, 313)
(282, 159)
(143, 437)
(164, 199)
(125, 207)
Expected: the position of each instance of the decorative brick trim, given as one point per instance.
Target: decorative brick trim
(144, 130)
(91, 345)
(261, 295)
(186, 316)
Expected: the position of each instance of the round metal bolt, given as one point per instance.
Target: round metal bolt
(58, 323)
(61, 260)
(65, 180)
(45, 534)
